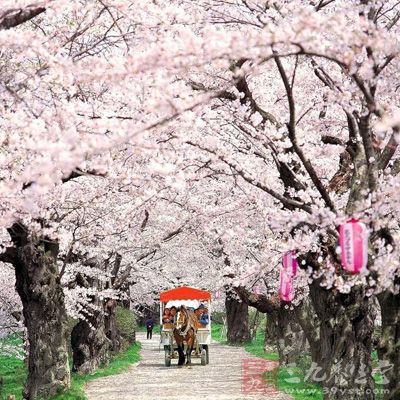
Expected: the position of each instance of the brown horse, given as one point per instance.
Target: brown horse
(185, 331)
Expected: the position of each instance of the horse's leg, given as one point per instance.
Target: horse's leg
(181, 353)
(188, 358)
(190, 343)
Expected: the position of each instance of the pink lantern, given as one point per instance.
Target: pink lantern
(288, 273)
(257, 289)
(217, 294)
(353, 240)
(290, 263)
(286, 289)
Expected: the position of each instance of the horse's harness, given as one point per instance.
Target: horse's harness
(188, 325)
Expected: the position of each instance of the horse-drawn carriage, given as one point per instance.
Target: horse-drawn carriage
(186, 331)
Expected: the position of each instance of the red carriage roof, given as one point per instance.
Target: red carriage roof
(184, 293)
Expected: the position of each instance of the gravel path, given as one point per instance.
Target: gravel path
(222, 379)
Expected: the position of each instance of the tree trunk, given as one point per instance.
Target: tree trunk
(291, 340)
(347, 323)
(38, 285)
(282, 325)
(308, 320)
(237, 320)
(254, 326)
(90, 345)
(271, 327)
(389, 345)
(111, 329)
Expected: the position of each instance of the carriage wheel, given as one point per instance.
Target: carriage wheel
(205, 347)
(167, 356)
(203, 357)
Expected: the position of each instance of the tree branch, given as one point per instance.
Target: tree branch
(288, 203)
(327, 139)
(9, 255)
(260, 302)
(116, 268)
(145, 220)
(365, 133)
(15, 17)
(388, 151)
(292, 136)
(73, 175)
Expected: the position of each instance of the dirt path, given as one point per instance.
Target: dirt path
(151, 380)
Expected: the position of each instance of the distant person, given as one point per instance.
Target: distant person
(150, 326)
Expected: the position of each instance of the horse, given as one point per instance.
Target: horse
(185, 329)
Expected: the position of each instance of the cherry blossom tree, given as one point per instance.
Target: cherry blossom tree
(239, 129)
(321, 144)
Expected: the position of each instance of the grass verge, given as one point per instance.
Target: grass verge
(13, 373)
(289, 380)
(120, 363)
(12, 369)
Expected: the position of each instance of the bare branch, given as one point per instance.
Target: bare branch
(74, 174)
(388, 151)
(288, 203)
(15, 17)
(260, 302)
(292, 136)
(9, 255)
(145, 220)
(327, 139)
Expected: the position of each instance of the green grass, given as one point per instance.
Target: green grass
(217, 334)
(13, 373)
(256, 347)
(120, 363)
(291, 380)
(12, 370)
(286, 379)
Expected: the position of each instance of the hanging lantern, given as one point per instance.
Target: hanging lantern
(286, 287)
(288, 273)
(290, 263)
(217, 294)
(257, 289)
(353, 241)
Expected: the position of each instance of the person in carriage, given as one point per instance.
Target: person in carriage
(173, 312)
(204, 318)
(202, 315)
(166, 318)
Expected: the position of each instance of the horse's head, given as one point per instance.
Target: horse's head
(181, 318)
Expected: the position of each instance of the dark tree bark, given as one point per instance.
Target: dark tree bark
(290, 338)
(237, 320)
(270, 336)
(346, 328)
(389, 345)
(38, 285)
(14, 17)
(285, 330)
(111, 328)
(90, 345)
(308, 320)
